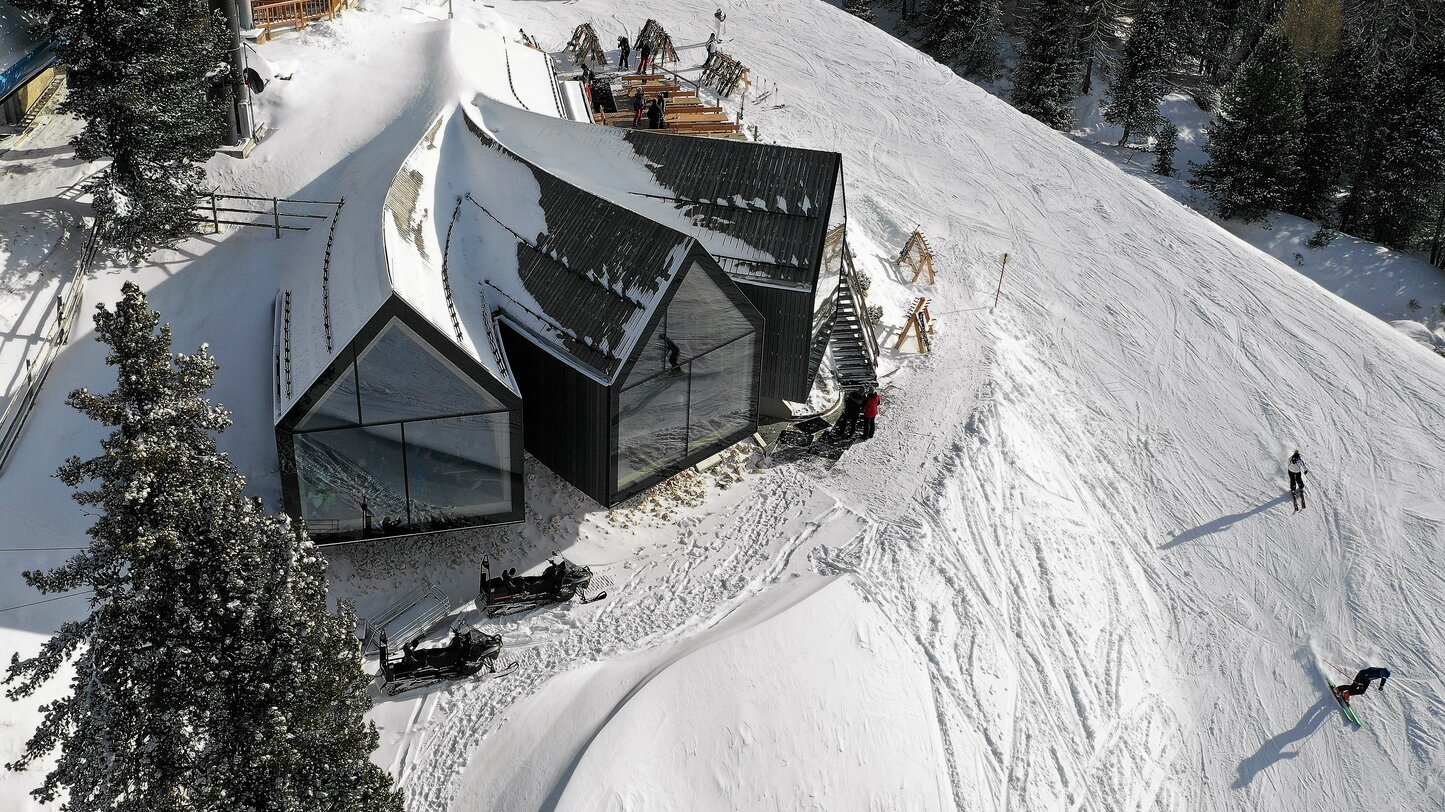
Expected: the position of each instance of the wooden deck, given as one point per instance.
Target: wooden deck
(686, 112)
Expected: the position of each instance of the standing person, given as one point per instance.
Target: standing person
(718, 19)
(662, 107)
(673, 351)
(644, 55)
(626, 48)
(852, 410)
(1297, 471)
(638, 107)
(711, 44)
(1362, 682)
(654, 115)
(870, 412)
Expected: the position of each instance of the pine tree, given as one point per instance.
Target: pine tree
(1164, 147)
(1254, 146)
(964, 33)
(1098, 22)
(1133, 100)
(1321, 144)
(209, 674)
(1396, 195)
(1046, 76)
(862, 9)
(139, 75)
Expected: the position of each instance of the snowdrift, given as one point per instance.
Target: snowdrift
(801, 699)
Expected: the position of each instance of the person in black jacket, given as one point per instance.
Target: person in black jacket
(644, 55)
(654, 115)
(1362, 682)
(626, 49)
(852, 410)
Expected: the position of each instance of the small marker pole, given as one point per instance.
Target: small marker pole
(999, 292)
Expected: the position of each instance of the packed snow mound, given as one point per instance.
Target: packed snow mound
(803, 698)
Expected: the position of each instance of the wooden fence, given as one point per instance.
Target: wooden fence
(294, 15)
(276, 213)
(39, 360)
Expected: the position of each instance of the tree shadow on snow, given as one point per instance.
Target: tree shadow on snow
(1275, 749)
(1222, 523)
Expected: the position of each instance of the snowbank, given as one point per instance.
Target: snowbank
(803, 698)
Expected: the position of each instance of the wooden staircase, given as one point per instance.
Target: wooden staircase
(686, 114)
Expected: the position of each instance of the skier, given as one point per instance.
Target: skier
(644, 55)
(1297, 471)
(638, 105)
(1362, 682)
(711, 44)
(654, 115)
(626, 49)
(870, 412)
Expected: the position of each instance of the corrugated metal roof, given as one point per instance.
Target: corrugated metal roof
(593, 274)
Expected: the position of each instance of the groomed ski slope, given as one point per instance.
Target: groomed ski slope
(1065, 575)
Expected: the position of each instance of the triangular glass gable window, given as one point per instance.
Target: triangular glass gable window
(336, 408)
(403, 377)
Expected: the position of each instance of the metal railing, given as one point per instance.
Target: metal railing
(39, 361)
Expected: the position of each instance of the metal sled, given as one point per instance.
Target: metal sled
(416, 613)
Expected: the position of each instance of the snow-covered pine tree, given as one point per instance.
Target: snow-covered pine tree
(1046, 77)
(1165, 144)
(862, 9)
(1133, 99)
(1396, 197)
(964, 33)
(1254, 146)
(139, 75)
(1322, 142)
(1099, 22)
(209, 676)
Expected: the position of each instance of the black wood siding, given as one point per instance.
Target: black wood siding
(566, 415)
(787, 340)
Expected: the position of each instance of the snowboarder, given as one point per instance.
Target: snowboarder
(1297, 471)
(654, 115)
(1362, 682)
(870, 412)
(852, 410)
(638, 106)
(626, 48)
(644, 55)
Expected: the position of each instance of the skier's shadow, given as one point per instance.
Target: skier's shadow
(1222, 523)
(1274, 750)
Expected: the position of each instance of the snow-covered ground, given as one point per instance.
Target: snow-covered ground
(1064, 575)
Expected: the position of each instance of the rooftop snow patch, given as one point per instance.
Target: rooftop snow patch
(762, 206)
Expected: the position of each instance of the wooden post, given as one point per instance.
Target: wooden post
(215, 216)
(999, 292)
(276, 216)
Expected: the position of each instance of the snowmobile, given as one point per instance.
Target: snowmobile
(466, 654)
(510, 594)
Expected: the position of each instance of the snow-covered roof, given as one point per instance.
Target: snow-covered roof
(23, 51)
(367, 265)
(761, 210)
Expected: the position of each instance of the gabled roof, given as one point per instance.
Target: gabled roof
(759, 209)
(579, 272)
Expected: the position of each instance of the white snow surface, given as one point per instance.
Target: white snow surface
(1071, 527)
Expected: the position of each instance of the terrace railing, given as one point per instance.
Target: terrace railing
(40, 358)
(293, 15)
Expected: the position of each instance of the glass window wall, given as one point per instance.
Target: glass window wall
(403, 378)
(458, 467)
(667, 411)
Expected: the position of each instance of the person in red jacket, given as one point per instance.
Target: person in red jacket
(870, 412)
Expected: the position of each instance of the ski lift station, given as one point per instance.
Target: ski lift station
(620, 304)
